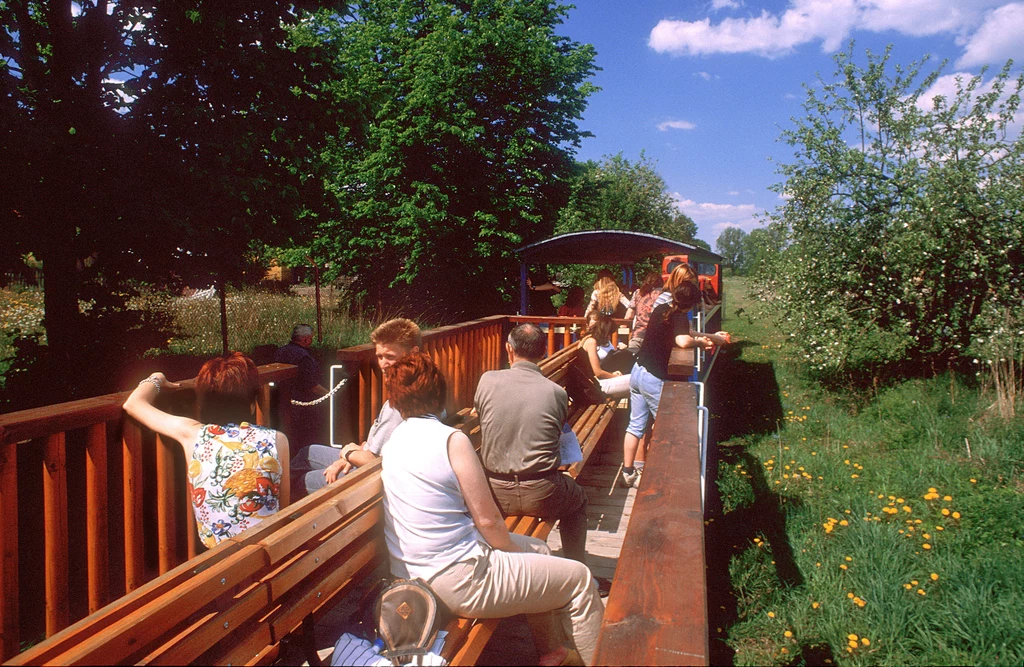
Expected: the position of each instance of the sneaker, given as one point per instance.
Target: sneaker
(631, 479)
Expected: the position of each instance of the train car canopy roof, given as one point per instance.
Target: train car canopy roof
(609, 246)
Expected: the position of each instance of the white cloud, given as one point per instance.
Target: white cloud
(676, 125)
(789, 96)
(725, 4)
(1000, 38)
(713, 217)
(734, 193)
(704, 75)
(831, 22)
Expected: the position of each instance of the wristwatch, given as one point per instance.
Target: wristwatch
(348, 452)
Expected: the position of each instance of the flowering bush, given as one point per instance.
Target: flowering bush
(902, 227)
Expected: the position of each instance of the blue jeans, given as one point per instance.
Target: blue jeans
(307, 469)
(644, 396)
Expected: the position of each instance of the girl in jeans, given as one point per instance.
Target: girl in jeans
(669, 326)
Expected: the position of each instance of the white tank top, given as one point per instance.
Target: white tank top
(427, 525)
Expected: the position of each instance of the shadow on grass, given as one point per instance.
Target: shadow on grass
(744, 400)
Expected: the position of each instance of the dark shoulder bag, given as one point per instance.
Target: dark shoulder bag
(408, 618)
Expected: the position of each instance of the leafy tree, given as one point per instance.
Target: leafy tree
(903, 230)
(760, 246)
(618, 194)
(462, 118)
(732, 245)
(143, 140)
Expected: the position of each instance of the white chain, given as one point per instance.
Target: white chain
(323, 398)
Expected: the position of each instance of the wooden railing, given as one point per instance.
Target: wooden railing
(657, 611)
(564, 330)
(129, 536)
(462, 351)
(100, 536)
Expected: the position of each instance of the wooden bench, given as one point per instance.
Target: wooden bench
(237, 603)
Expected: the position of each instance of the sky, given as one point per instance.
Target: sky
(705, 87)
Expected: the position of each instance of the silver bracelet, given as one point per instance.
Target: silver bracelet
(155, 382)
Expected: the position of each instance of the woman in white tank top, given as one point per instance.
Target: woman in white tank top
(442, 525)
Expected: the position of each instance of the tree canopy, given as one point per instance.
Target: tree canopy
(145, 139)
(901, 238)
(460, 125)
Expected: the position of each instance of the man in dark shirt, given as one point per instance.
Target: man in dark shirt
(300, 423)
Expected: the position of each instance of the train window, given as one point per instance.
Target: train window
(704, 269)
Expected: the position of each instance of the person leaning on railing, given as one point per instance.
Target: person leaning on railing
(236, 470)
(441, 525)
(669, 327)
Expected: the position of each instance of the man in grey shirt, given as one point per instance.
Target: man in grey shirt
(521, 417)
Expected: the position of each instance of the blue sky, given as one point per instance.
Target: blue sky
(705, 87)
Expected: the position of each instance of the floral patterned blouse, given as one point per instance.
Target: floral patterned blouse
(234, 479)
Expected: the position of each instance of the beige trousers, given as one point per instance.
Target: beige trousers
(559, 596)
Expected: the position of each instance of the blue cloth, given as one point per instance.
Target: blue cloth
(644, 397)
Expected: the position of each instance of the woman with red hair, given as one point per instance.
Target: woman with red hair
(442, 525)
(236, 477)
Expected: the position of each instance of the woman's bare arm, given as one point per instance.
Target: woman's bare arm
(477, 493)
(139, 407)
(590, 346)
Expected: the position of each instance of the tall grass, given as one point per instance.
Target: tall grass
(257, 317)
(879, 528)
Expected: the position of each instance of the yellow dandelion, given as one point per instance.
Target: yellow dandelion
(852, 637)
(926, 546)
(848, 558)
(853, 643)
(844, 522)
(934, 576)
(854, 476)
(956, 515)
(906, 508)
(817, 564)
(914, 582)
(785, 650)
(947, 498)
(899, 500)
(920, 591)
(939, 528)
(865, 641)
(815, 605)
(843, 567)
(932, 489)
(945, 512)
(787, 633)
(771, 614)
(974, 481)
(850, 595)
(907, 586)
(926, 536)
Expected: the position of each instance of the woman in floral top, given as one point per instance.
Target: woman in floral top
(235, 472)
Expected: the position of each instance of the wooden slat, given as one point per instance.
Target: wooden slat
(96, 509)
(166, 503)
(55, 517)
(650, 618)
(314, 592)
(134, 555)
(50, 650)
(9, 632)
(138, 630)
(197, 638)
(263, 405)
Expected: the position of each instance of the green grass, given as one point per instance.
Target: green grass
(820, 460)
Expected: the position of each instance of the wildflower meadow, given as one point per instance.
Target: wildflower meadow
(870, 526)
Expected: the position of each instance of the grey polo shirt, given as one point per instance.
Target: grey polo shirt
(521, 417)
